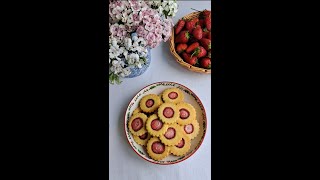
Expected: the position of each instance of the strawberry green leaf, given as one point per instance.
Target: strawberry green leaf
(196, 52)
(187, 35)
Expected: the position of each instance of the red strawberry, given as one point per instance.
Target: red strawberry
(179, 26)
(185, 56)
(188, 59)
(206, 43)
(209, 36)
(181, 48)
(197, 32)
(199, 52)
(182, 37)
(205, 33)
(207, 22)
(205, 63)
(201, 23)
(192, 40)
(205, 13)
(191, 24)
(193, 61)
(192, 47)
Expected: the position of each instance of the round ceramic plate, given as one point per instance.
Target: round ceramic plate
(190, 97)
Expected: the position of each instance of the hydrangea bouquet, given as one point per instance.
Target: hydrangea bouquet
(135, 27)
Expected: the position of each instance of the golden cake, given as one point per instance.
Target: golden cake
(137, 124)
(168, 113)
(172, 136)
(156, 149)
(137, 110)
(172, 95)
(143, 139)
(187, 113)
(150, 103)
(192, 129)
(155, 126)
(182, 148)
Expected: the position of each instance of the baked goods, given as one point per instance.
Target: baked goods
(182, 148)
(143, 139)
(192, 129)
(168, 113)
(172, 136)
(172, 95)
(164, 124)
(150, 103)
(155, 126)
(137, 124)
(156, 149)
(137, 110)
(187, 113)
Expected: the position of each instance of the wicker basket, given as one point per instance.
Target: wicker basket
(176, 55)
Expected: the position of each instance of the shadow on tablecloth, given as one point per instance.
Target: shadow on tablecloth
(122, 134)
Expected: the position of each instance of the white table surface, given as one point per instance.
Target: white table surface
(124, 163)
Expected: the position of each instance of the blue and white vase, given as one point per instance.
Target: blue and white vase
(135, 71)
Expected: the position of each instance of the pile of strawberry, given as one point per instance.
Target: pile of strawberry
(193, 40)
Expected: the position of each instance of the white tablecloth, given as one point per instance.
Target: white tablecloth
(124, 163)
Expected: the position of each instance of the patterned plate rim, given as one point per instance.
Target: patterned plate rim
(198, 146)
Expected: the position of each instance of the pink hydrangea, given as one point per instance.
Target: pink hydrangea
(140, 31)
(149, 26)
(114, 29)
(138, 16)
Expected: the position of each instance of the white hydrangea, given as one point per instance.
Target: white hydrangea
(127, 43)
(126, 53)
(117, 66)
(165, 7)
(125, 72)
(144, 53)
(132, 58)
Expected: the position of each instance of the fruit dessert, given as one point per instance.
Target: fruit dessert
(164, 123)
(182, 147)
(161, 100)
(156, 149)
(155, 126)
(143, 139)
(193, 40)
(192, 129)
(138, 110)
(137, 124)
(187, 113)
(168, 113)
(150, 103)
(172, 95)
(172, 136)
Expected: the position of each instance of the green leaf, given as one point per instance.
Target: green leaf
(143, 59)
(196, 52)
(165, 13)
(113, 78)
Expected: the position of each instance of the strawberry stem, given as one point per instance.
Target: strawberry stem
(196, 52)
